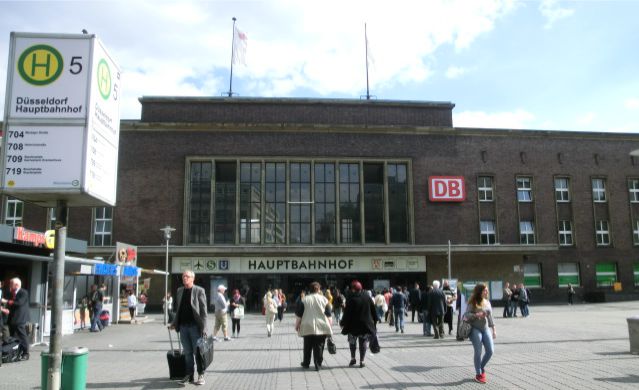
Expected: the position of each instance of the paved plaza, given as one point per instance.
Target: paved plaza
(558, 347)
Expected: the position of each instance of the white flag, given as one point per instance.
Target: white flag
(239, 47)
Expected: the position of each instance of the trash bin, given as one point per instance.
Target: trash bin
(73, 370)
(633, 332)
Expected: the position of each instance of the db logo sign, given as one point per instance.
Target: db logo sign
(446, 189)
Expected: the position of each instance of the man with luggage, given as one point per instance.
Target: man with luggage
(190, 322)
(18, 315)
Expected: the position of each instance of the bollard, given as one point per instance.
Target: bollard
(633, 333)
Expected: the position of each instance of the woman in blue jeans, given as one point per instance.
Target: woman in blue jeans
(480, 315)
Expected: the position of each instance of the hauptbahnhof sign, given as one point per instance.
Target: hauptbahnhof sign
(62, 120)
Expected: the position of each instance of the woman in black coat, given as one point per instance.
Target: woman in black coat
(358, 321)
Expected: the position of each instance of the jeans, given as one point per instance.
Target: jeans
(481, 337)
(189, 334)
(507, 312)
(380, 313)
(513, 308)
(426, 324)
(399, 319)
(95, 318)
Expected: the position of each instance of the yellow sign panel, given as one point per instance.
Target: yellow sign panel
(49, 237)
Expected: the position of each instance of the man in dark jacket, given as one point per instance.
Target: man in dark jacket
(424, 308)
(18, 316)
(398, 303)
(414, 299)
(436, 309)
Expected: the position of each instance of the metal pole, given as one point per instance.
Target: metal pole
(449, 250)
(368, 95)
(166, 284)
(55, 347)
(230, 93)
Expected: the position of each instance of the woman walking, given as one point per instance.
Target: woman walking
(270, 309)
(480, 315)
(236, 305)
(314, 323)
(358, 322)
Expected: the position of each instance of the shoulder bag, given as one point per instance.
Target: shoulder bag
(374, 343)
(464, 328)
(330, 344)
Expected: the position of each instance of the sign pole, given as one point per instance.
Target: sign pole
(55, 346)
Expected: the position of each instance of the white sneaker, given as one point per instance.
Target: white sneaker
(200, 380)
(215, 338)
(227, 339)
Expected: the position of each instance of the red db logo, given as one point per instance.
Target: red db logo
(446, 189)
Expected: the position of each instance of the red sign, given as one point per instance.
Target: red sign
(26, 235)
(446, 189)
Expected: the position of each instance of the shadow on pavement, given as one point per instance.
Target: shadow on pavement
(624, 379)
(143, 383)
(414, 368)
(406, 385)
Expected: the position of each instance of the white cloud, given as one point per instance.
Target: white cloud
(454, 72)
(518, 119)
(552, 11)
(632, 103)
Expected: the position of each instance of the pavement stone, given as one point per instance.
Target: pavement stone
(583, 346)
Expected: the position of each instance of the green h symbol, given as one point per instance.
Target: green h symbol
(35, 64)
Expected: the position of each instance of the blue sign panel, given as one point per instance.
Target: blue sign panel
(129, 271)
(106, 269)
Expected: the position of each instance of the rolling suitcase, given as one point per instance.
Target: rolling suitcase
(176, 360)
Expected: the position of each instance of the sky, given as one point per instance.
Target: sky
(537, 64)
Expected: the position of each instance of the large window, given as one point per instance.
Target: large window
(275, 203)
(565, 233)
(532, 275)
(599, 190)
(300, 203)
(349, 201)
(526, 232)
(398, 202)
(13, 212)
(562, 189)
(524, 189)
(374, 203)
(633, 190)
(568, 273)
(102, 226)
(250, 202)
(606, 274)
(225, 191)
(487, 235)
(602, 232)
(485, 188)
(200, 203)
(635, 232)
(325, 203)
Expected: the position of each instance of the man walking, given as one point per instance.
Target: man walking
(437, 308)
(18, 315)
(97, 299)
(414, 300)
(507, 294)
(221, 308)
(190, 321)
(398, 302)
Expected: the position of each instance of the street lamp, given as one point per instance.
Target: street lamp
(167, 236)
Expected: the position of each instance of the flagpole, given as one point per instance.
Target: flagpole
(230, 92)
(368, 95)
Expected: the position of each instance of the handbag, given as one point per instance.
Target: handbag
(238, 312)
(374, 344)
(204, 352)
(464, 328)
(330, 344)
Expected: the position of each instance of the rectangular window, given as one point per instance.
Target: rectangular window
(300, 203)
(275, 203)
(225, 191)
(374, 229)
(524, 189)
(51, 218)
(635, 232)
(13, 212)
(398, 202)
(562, 189)
(250, 202)
(636, 273)
(599, 190)
(349, 198)
(565, 233)
(602, 232)
(606, 274)
(102, 226)
(200, 203)
(633, 189)
(568, 273)
(526, 232)
(487, 233)
(485, 188)
(532, 275)
(325, 203)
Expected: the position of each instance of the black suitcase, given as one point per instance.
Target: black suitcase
(176, 360)
(11, 351)
(204, 355)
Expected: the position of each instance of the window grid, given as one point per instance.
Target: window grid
(565, 233)
(562, 189)
(325, 203)
(300, 206)
(568, 273)
(635, 232)
(485, 188)
(103, 225)
(633, 189)
(275, 203)
(602, 232)
(349, 194)
(200, 203)
(13, 212)
(250, 202)
(524, 189)
(487, 232)
(606, 274)
(532, 275)
(398, 202)
(598, 190)
(526, 232)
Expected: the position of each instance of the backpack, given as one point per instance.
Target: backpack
(11, 351)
